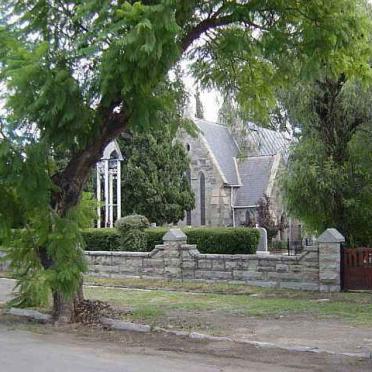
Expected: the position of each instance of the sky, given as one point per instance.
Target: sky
(211, 99)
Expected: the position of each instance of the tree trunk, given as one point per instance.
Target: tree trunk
(69, 184)
(64, 310)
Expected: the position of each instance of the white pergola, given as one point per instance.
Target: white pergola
(109, 181)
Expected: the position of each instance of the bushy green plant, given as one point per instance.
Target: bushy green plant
(222, 240)
(101, 239)
(131, 232)
(154, 236)
(279, 245)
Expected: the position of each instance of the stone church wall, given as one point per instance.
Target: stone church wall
(217, 197)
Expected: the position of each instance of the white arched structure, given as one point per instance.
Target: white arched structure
(109, 186)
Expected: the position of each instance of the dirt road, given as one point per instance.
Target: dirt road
(46, 350)
(26, 346)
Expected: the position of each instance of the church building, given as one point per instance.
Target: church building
(229, 173)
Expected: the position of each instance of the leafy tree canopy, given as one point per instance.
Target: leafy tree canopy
(77, 73)
(329, 179)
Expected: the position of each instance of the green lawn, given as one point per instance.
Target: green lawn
(187, 299)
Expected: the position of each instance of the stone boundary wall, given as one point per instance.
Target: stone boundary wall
(316, 268)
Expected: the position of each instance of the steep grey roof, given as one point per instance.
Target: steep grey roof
(223, 147)
(266, 141)
(255, 175)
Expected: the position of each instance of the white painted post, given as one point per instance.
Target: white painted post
(111, 198)
(118, 190)
(98, 197)
(106, 193)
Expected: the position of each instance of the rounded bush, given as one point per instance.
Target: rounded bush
(131, 231)
(133, 221)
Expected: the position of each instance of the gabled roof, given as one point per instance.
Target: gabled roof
(266, 141)
(223, 147)
(255, 174)
(251, 171)
(112, 150)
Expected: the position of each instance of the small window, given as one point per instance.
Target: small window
(188, 147)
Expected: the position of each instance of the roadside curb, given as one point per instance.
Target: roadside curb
(260, 344)
(30, 314)
(121, 325)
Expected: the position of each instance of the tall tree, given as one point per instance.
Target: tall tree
(329, 179)
(79, 73)
(154, 177)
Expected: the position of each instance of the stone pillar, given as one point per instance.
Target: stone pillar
(329, 260)
(173, 240)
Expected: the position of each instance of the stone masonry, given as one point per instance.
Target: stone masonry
(316, 268)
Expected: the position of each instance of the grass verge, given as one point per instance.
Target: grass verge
(180, 304)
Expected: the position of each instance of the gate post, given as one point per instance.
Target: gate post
(172, 242)
(330, 260)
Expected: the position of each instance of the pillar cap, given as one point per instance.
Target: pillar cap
(331, 235)
(174, 234)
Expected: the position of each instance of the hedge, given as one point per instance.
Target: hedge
(227, 240)
(101, 239)
(224, 240)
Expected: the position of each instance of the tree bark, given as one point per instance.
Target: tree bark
(69, 185)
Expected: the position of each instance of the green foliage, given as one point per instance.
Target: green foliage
(328, 183)
(154, 236)
(76, 74)
(131, 231)
(133, 221)
(279, 245)
(101, 239)
(224, 240)
(253, 63)
(154, 180)
(63, 243)
(86, 212)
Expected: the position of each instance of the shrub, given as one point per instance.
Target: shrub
(132, 221)
(101, 239)
(154, 236)
(279, 245)
(227, 240)
(131, 231)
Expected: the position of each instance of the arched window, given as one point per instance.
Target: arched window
(188, 213)
(188, 147)
(202, 198)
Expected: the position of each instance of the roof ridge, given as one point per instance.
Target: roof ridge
(257, 156)
(211, 122)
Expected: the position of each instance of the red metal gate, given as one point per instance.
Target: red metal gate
(356, 268)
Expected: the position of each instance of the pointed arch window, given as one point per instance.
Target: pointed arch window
(188, 213)
(202, 198)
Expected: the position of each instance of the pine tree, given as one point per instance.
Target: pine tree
(154, 181)
(78, 74)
